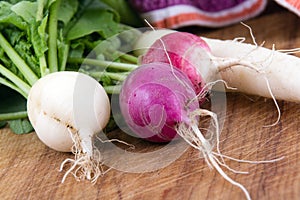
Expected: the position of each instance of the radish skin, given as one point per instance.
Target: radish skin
(153, 90)
(167, 50)
(66, 110)
(280, 69)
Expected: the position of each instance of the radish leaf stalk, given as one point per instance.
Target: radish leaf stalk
(52, 54)
(18, 61)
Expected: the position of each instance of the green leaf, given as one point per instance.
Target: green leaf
(127, 14)
(50, 2)
(20, 126)
(21, 43)
(25, 9)
(67, 10)
(5, 60)
(18, 54)
(77, 49)
(8, 17)
(38, 37)
(24, 49)
(16, 1)
(96, 17)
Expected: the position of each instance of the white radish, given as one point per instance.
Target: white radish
(280, 69)
(66, 110)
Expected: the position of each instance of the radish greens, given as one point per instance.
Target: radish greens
(41, 37)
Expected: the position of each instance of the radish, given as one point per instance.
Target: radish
(181, 52)
(194, 57)
(158, 103)
(66, 110)
(247, 68)
(279, 68)
(151, 90)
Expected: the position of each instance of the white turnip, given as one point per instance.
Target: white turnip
(66, 110)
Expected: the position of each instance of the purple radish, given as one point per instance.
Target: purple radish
(154, 99)
(176, 49)
(158, 103)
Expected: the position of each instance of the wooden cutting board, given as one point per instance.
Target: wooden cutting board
(30, 170)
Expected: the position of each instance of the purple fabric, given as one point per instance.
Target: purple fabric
(216, 5)
(206, 5)
(149, 5)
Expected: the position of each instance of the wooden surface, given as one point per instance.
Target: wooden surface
(29, 170)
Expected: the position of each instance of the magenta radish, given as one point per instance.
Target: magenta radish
(158, 103)
(175, 49)
(169, 97)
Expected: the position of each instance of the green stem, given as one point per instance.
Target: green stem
(103, 64)
(30, 76)
(43, 66)
(39, 17)
(112, 75)
(112, 89)
(52, 52)
(12, 86)
(15, 79)
(128, 57)
(64, 59)
(40, 8)
(116, 76)
(13, 116)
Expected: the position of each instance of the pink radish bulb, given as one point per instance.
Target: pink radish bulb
(158, 103)
(154, 99)
(181, 50)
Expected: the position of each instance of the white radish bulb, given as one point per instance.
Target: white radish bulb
(66, 110)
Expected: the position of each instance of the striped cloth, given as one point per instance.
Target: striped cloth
(292, 5)
(210, 13)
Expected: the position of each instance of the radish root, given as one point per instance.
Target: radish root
(87, 164)
(193, 136)
(289, 51)
(228, 64)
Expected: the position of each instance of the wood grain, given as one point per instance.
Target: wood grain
(29, 170)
